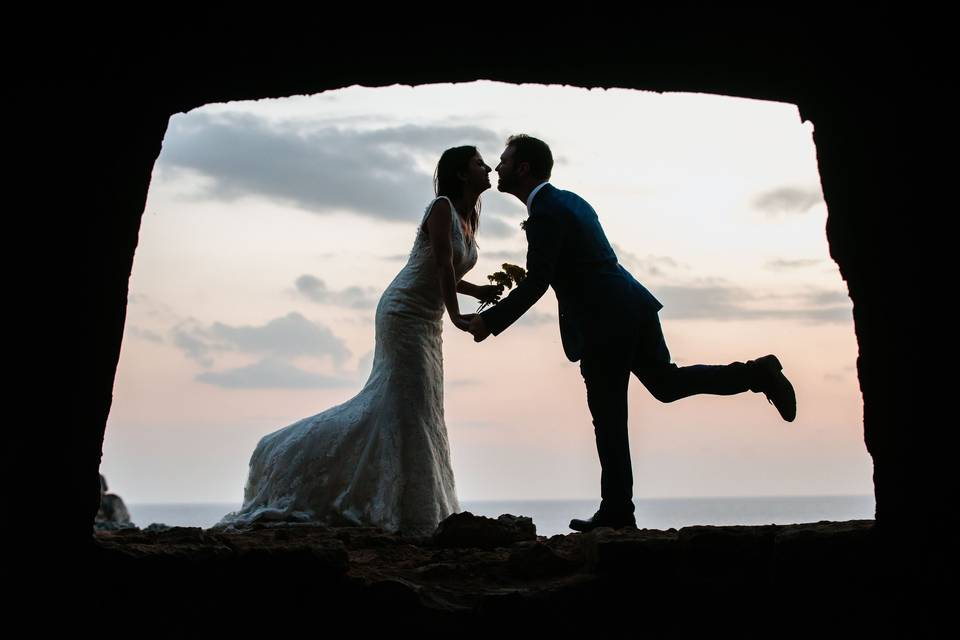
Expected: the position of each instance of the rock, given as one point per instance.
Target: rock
(537, 560)
(112, 509)
(467, 530)
(114, 526)
(663, 578)
(728, 554)
(113, 513)
(625, 552)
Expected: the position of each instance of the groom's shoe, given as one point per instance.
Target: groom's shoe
(625, 521)
(776, 387)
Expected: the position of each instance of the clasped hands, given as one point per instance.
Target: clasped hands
(472, 322)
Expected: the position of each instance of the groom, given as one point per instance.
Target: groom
(608, 321)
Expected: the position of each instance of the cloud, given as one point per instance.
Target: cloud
(375, 173)
(461, 382)
(144, 334)
(787, 200)
(493, 227)
(288, 336)
(513, 257)
(533, 318)
(316, 290)
(784, 265)
(277, 373)
(502, 204)
(364, 366)
(151, 308)
(271, 373)
(651, 266)
(712, 301)
(822, 298)
(291, 335)
(839, 375)
(828, 315)
(194, 343)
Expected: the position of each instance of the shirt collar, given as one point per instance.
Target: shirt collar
(534, 193)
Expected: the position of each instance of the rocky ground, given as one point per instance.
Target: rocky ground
(479, 574)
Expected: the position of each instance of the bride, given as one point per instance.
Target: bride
(382, 457)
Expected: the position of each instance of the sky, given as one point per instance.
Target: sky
(272, 226)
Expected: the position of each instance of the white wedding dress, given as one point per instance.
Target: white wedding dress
(382, 457)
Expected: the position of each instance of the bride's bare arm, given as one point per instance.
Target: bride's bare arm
(468, 289)
(480, 292)
(439, 223)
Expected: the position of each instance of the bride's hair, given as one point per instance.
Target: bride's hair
(446, 179)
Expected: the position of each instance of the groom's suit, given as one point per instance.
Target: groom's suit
(608, 321)
(568, 250)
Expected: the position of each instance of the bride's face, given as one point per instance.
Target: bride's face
(478, 174)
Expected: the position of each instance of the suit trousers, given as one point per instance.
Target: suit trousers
(608, 359)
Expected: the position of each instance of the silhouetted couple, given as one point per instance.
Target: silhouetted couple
(382, 458)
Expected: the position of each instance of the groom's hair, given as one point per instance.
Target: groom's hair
(534, 151)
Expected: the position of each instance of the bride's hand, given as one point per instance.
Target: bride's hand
(462, 322)
(490, 293)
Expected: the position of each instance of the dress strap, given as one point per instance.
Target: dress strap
(453, 210)
(433, 202)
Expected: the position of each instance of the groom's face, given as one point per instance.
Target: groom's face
(507, 171)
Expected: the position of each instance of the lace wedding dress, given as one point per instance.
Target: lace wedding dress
(382, 457)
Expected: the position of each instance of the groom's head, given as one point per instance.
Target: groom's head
(525, 163)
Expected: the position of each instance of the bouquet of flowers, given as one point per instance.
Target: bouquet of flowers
(509, 276)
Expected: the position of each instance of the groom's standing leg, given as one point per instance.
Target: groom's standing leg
(668, 382)
(606, 374)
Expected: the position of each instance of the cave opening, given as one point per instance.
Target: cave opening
(271, 227)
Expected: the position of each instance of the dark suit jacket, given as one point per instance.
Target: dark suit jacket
(567, 250)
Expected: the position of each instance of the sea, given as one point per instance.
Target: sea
(552, 517)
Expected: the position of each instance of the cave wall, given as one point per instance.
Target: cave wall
(105, 105)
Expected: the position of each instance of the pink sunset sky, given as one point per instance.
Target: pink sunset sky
(271, 227)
